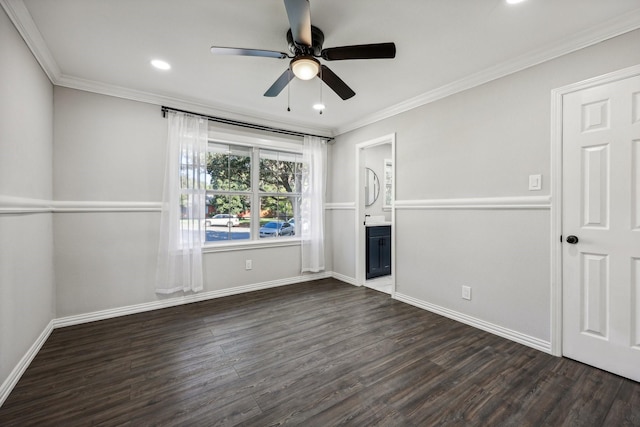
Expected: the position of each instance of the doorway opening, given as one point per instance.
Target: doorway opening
(375, 196)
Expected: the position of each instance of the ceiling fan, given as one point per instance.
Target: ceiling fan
(305, 44)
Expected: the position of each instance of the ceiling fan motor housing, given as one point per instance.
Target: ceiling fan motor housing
(305, 44)
(317, 39)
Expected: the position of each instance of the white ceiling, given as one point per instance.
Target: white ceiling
(442, 46)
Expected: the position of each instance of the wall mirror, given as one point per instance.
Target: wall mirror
(372, 187)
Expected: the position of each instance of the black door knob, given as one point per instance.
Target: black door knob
(572, 240)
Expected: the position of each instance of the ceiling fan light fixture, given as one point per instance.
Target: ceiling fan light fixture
(305, 67)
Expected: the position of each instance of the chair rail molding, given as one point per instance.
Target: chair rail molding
(340, 206)
(10, 205)
(488, 203)
(24, 205)
(105, 206)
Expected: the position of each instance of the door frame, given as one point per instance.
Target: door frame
(359, 212)
(556, 192)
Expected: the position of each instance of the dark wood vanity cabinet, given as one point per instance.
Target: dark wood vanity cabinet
(378, 251)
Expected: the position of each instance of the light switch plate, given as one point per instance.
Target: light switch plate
(535, 182)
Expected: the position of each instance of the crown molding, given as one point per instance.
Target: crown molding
(196, 106)
(604, 31)
(22, 20)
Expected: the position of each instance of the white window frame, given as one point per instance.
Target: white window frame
(256, 143)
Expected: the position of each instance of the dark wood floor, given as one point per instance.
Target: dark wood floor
(320, 353)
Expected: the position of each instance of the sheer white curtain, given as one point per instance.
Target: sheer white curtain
(183, 206)
(314, 158)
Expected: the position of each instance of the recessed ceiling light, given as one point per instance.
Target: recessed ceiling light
(515, 1)
(160, 64)
(318, 106)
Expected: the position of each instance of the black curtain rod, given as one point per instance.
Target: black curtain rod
(245, 124)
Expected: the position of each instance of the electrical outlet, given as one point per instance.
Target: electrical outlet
(466, 292)
(248, 265)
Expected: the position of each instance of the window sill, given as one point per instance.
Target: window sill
(252, 244)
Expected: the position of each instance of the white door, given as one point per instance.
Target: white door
(601, 208)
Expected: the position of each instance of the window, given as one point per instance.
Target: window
(252, 193)
(229, 195)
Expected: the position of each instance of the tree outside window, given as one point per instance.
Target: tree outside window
(232, 190)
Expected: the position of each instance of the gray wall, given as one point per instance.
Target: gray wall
(110, 150)
(105, 150)
(27, 291)
(482, 142)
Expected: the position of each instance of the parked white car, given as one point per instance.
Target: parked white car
(225, 220)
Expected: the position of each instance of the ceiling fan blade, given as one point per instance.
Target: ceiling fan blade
(362, 51)
(279, 84)
(217, 50)
(335, 83)
(299, 14)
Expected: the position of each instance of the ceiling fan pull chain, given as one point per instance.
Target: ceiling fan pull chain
(321, 103)
(289, 91)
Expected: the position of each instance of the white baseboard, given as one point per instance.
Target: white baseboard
(509, 334)
(343, 278)
(185, 299)
(15, 375)
(8, 385)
